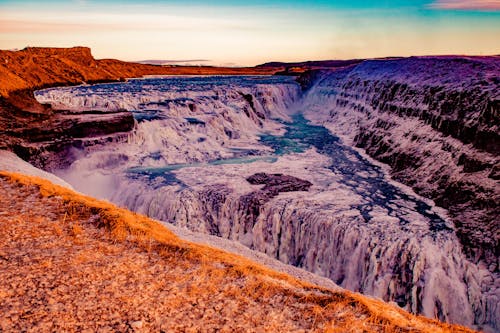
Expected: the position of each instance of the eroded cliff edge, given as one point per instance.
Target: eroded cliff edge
(435, 121)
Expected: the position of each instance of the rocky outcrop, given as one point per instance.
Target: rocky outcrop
(277, 183)
(435, 121)
(56, 146)
(252, 203)
(47, 139)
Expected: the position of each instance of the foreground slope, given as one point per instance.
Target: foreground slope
(73, 263)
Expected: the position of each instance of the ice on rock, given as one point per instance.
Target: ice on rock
(10, 162)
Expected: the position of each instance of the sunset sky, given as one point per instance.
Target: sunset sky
(252, 32)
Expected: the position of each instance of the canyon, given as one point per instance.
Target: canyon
(291, 170)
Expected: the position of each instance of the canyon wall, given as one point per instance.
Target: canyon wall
(435, 121)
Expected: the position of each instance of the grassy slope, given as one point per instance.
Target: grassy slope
(137, 275)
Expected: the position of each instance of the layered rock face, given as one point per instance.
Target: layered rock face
(49, 141)
(435, 121)
(36, 132)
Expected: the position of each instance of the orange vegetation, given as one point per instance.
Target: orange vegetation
(74, 263)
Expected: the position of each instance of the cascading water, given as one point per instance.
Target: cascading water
(198, 140)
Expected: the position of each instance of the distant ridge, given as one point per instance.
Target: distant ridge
(316, 63)
(32, 68)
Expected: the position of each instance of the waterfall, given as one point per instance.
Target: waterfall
(196, 142)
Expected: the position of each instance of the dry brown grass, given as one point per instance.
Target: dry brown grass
(130, 268)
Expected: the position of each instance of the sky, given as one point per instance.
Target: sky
(240, 33)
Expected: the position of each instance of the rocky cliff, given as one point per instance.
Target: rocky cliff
(435, 121)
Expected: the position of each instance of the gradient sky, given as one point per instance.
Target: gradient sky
(251, 32)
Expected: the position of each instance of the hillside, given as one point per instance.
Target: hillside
(297, 68)
(73, 263)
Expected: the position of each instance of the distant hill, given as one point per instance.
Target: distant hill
(297, 68)
(318, 63)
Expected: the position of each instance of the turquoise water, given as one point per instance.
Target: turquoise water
(356, 172)
(162, 176)
(173, 167)
(300, 135)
